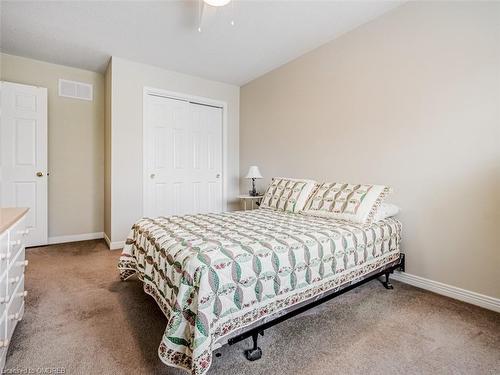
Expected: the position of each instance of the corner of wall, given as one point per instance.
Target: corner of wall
(1, 67)
(107, 148)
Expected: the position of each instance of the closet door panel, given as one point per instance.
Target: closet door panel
(182, 157)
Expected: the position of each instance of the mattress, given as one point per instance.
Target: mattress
(215, 274)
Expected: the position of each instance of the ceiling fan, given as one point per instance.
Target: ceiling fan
(217, 3)
(208, 8)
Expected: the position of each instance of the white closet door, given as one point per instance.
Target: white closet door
(182, 157)
(23, 141)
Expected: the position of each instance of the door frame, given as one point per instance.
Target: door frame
(188, 98)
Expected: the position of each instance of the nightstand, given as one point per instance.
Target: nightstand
(250, 200)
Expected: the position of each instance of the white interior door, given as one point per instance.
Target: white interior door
(23, 141)
(182, 157)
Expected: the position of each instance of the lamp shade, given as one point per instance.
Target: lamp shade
(253, 172)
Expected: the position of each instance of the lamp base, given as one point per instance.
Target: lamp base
(253, 192)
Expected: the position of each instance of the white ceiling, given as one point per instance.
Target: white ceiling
(266, 34)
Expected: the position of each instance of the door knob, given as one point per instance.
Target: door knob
(217, 175)
(152, 175)
(39, 174)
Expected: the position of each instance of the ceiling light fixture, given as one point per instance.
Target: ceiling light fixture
(207, 9)
(217, 3)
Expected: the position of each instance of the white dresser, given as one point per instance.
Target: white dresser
(13, 233)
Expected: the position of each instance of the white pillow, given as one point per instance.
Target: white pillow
(352, 202)
(287, 194)
(385, 211)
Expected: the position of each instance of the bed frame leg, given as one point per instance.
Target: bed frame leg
(255, 353)
(387, 284)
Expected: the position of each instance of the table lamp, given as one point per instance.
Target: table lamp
(253, 173)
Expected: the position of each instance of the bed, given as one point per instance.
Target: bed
(219, 278)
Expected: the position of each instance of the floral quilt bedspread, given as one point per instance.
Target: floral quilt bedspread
(212, 274)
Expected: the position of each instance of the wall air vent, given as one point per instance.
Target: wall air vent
(75, 90)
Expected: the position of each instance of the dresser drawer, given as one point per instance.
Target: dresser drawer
(4, 296)
(3, 335)
(17, 237)
(16, 271)
(4, 249)
(15, 309)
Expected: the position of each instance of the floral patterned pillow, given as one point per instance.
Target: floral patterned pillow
(356, 203)
(287, 194)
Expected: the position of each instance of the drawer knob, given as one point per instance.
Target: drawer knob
(24, 232)
(14, 316)
(23, 263)
(14, 280)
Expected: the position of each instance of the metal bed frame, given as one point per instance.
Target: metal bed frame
(256, 353)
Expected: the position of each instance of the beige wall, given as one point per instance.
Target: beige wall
(76, 144)
(128, 80)
(412, 100)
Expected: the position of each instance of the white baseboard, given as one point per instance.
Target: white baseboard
(75, 237)
(113, 245)
(473, 298)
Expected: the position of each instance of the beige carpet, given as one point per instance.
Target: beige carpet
(80, 317)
